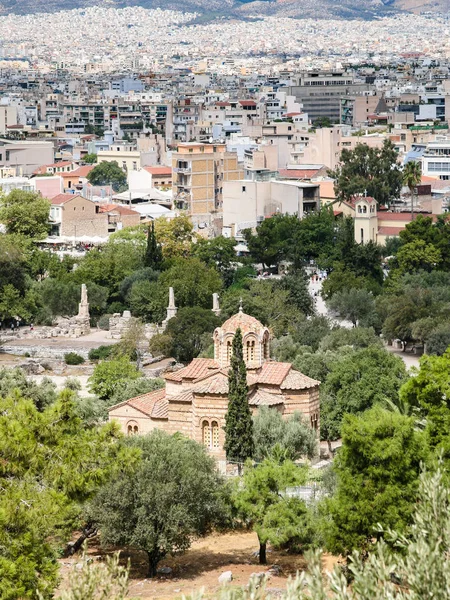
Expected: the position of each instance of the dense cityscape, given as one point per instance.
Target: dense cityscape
(225, 301)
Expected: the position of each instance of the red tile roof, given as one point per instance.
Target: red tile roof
(297, 381)
(247, 102)
(63, 198)
(390, 230)
(123, 210)
(43, 168)
(146, 403)
(197, 369)
(263, 398)
(80, 172)
(387, 216)
(167, 171)
(273, 373)
(160, 409)
(298, 173)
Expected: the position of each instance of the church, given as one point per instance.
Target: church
(194, 400)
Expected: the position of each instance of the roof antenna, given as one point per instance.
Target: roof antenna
(240, 304)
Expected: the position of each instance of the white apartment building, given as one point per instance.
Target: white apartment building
(436, 158)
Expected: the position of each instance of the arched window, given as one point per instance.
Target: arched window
(364, 209)
(362, 235)
(252, 351)
(359, 208)
(132, 428)
(215, 434)
(266, 348)
(135, 430)
(206, 434)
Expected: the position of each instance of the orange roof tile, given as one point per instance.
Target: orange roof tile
(160, 409)
(242, 321)
(123, 210)
(297, 381)
(145, 403)
(80, 172)
(167, 171)
(198, 368)
(63, 198)
(273, 373)
(263, 398)
(298, 173)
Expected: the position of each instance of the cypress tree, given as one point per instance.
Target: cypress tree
(153, 254)
(238, 421)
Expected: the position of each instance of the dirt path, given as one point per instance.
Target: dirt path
(202, 564)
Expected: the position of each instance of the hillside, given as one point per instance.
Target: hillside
(347, 9)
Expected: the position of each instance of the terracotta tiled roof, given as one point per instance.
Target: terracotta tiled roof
(160, 409)
(216, 384)
(390, 230)
(386, 216)
(167, 171)
(185, 396)
(297, 381)
(43, 168)
(298, 173)
(273, 373)
(247, 102)
(146, 402)
(63, 198)
(243, 321)
(123, 210)
(263, 398)
(198, 368)
(80, 172)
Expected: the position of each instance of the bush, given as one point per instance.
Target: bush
(72, 358)
(110, 374)
(103, 322)
(161, 344)
(100, 353)
(72, 383)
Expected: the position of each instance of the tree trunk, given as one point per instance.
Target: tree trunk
(330, 449)
(262, 553)
(153, 560)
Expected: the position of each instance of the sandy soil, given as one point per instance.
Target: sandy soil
(202, 564)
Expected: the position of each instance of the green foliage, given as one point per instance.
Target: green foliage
(289, 524)
(161, 344)
(399, 567)
(377, 472)
(239, 445)
(186, 331)
(97, 581)
(175, 236)
(417, 256)
(172, 496)
(103, 322)
(108, 173)
(42, 394)
(412, 174)
(438, 340)
(25, 213)
(355, 305)
(109, 375)
(429, 391)
(296, 284)
(355, 383)
(51, 465)
(258, 499)
(293, 437)
(193, 282)
(100, 353)
(153, 253)
(90, 159)
(130, 389)
(145, 274)
(273, 238)
(375, 170)
(72, 358)
(219, 253)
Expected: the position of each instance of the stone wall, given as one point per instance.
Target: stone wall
(119, 323)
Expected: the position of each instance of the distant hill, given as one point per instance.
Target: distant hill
(347, 9)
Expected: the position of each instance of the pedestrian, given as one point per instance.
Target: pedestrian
(12, 327)
(31, 327)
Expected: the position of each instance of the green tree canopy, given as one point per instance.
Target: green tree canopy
(219, 253)
(377, 471)
(186, 330)
(25, 213)
(90, 159)
(292, 436)
(356, 382)
(110, 375)
(355, 305)
(259, 498)
(51, 464)
(172, 496)
(108, 173)
(372, 170)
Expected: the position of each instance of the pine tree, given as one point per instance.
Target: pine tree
(153, 254)
(238, 421)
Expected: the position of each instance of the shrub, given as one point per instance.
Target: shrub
(72, 358)
(103, 322)
(100, 353)
(72, 383)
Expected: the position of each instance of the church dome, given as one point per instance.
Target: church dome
(255, 338)
(246, 323)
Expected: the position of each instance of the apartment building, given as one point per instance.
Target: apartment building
(320, 92)
(199, 173)
(247, 203)
(436, 158)
(74, 216)
(25, 156)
